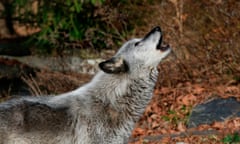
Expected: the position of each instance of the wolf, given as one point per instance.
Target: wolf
(104, 111)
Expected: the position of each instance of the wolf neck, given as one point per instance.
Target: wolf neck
(127, 96)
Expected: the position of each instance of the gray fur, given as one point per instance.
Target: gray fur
(103, 111)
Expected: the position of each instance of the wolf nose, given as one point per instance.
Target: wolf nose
(157, 28)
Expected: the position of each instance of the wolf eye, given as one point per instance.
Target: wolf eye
(136, 44)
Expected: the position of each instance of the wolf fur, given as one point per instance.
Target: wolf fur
(103, 111)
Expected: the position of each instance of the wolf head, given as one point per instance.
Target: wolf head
(138, 54)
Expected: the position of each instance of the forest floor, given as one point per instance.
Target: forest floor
(167, 116)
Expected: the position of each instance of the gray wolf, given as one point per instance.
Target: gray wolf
(103, 111)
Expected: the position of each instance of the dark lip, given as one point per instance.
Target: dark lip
(159, 45)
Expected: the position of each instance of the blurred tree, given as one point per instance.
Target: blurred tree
(60, 21)
(65, 24)
(8, 11)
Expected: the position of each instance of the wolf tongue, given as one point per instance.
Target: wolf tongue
(164, 47)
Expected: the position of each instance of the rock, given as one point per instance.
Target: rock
(62, 64)
(217, 109)
(25, 75)
(10, 68)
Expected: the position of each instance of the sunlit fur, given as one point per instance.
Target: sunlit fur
(104, 111)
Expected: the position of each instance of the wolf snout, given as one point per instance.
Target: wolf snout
(157, 28)
(152, 32)
(161, 45)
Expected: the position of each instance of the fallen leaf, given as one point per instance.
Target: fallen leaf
(181, 127)
(218, 125)
(155, 125)
(187, 99)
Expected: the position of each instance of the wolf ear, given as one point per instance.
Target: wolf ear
(114, 65)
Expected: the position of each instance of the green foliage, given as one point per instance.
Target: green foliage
(59, 20)
(68, 24)
(176, 116)
(231, 139)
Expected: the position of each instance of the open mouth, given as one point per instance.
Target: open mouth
(162, 45)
